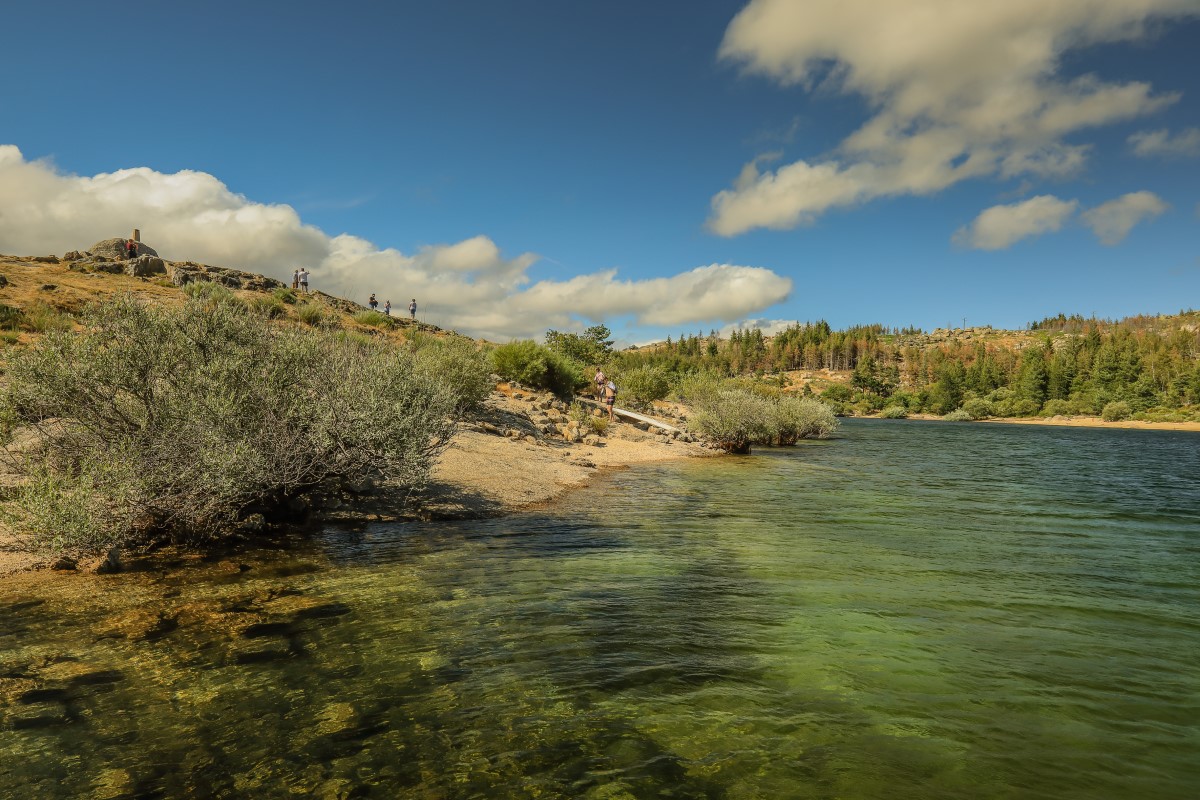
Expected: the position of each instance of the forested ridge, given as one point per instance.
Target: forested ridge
(1142, 366)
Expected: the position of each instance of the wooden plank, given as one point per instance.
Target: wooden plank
(630, 415)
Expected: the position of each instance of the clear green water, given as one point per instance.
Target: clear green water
(910, 611)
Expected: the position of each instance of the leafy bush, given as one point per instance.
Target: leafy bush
(285, 295)
(1024, 407)
(734, 419)
(10, 318)
(697, 388)
(978, 408)
(527, 362)
(957, 415)
(837, 393)
(374, 319)
(1056, 408)
(458, 364)
(176, 422)
(894, 412)
(1116, 411)
(208, 291)
(796, 418)
(644, 384)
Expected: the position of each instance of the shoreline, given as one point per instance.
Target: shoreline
(498, 465)
(1072, 422)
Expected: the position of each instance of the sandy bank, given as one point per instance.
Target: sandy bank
(499, 464)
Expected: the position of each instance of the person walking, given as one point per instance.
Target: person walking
(295, 280)
(610, 399)
(304, 280)
(373, 303)
(412, 309)
(387, 307)
(599, 384)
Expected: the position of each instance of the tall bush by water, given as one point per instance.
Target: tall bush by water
(178, 422)
(525, 361)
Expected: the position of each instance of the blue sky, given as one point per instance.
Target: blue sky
(912, 164)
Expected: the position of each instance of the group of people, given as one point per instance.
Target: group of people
(131, 249)
(387, 306)
(300, 280)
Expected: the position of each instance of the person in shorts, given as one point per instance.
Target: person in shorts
(610, 399)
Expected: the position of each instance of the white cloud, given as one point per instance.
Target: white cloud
(959, 90)
(1002, 226)
(1112, 221)
(469, 286)
(1162, 143)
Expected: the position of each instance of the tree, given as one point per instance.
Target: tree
(590, 347)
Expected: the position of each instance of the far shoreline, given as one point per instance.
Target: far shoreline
(1068, 422)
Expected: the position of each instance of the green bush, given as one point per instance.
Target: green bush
(285, 295)
(643, 384)
(1024, 407)
(734, 419)
(527, 362)
(697, 388)
(978, 408)
(894, 412)
(796, 418)
(957, 415)
(1116, 411)
(458, 364)
(208, 291)
(1056, 408)
(10, 318)
(177, 422)
(837, 393)
(374, 319)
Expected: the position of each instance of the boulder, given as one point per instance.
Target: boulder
(144, 266)
(46, 259)
(114, 249)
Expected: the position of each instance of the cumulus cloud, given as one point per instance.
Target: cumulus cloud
(469, 285)
(1002, 226)
(958, 90)
(1112, 221)
(1162, 143)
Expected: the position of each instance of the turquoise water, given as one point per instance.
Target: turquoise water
(912, 610)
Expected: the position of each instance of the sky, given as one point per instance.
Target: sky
(661, 167)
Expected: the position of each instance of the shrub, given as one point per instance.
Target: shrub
(798, 418)
(176, 422)
(313, 314)
(208, 291)
(458, 364)
(734, 419)
(957, 415)
(269, 307)
(697, 388)
(978, 408)
(643, 384)
(894, 412)
(374, 319)
(1116, 411)
(41, 318)
(1056, 407)
(837, 393)
(10, 318)
(586, 419)
(527, 362)
(285, 295)
(1024, 408)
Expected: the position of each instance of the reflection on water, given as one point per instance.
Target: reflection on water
(924, 611)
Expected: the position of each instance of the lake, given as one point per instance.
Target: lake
(910, 610)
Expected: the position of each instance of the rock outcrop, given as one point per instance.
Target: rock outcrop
(114, 249)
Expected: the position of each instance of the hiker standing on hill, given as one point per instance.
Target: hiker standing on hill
(295, 280)
(387, 307)
(412, 309)
(373, 303)
(131, 249)
(304, 280)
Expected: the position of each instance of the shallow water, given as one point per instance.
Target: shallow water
(912, 610)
